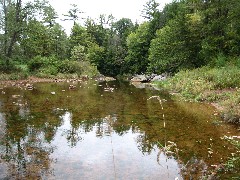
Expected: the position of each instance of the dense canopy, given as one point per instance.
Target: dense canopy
(186, 34)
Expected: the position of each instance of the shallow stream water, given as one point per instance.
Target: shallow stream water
(107, 130)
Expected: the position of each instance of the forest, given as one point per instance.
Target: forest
(185, 34)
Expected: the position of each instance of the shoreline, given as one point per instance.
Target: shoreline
(226, 113)
(226, 107)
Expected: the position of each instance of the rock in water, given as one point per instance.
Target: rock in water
(139, 78)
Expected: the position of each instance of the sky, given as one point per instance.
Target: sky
(93, 8)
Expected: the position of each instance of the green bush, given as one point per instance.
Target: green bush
(35, 64)
(50, 70)
(220, 60)
(69, 67)
(89, 69)
(11, 67)
(39, 62)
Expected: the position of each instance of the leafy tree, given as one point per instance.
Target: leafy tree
(138, 44)
(98, 34)
(178, 43)
(49, 15)
(150, 9)
(111, 39)
(96, 54)
(79, 37)
(42, 40)
(13, 17)
(60, 42)
(20, 21)
(123, 28)
(220, 28)
(167, 51)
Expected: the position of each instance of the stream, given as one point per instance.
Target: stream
(107, 130)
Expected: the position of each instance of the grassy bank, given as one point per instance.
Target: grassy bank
(219, 86)
(47, 67)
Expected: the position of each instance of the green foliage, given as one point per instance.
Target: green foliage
(79, 37)
(39, 62)
(138, 44)
(232, 164)
(150, 9)
(168, 51)
(78, 68)
(96, 54)
(78, 53)
(13, 76)
(50, 70)
(198, 81)
(184, 35)
(195, 34)
(44, 40)
(123, 28)
(89, 69)
(13, 71)
(70, 67)
(220, 60)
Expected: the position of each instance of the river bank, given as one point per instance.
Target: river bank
(216, 86)
(34, 79)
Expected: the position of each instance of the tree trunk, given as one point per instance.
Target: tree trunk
(15, 33)
(5, 27)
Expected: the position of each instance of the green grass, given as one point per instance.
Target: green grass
(214, 85)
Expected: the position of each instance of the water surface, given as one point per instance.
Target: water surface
(106, 130)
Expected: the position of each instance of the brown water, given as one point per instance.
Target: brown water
(106, 131)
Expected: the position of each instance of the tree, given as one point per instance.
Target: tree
(79, 36)
(150, 9)
(13, 17)
(178, 43)
(49, 15)
(73, 14)
(138, 44)
(38, 39)
(123, 28)
(17, 18)
(220, 28)
(78, 53)
(168, 51)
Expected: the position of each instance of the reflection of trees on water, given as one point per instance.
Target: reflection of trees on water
(31, 124)
(24, 139)
(26, 152)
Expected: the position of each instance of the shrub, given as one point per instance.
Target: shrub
(36, 63)
(11, 67)
(70, 67)
(50, 70)
(220, 60)
(39, 62)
